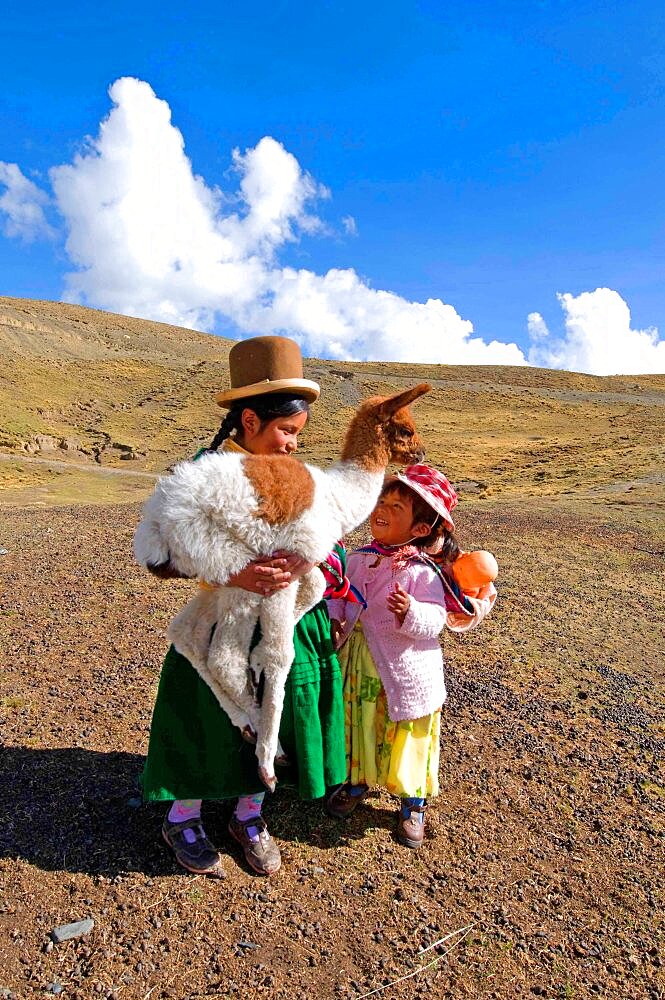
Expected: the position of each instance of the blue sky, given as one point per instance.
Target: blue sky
(487, 155)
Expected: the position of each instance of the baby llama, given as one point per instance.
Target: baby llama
(210, 517)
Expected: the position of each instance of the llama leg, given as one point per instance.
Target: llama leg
(238, 716)
(191, 632)
(273, 657)
(310, 591)
(228, 658)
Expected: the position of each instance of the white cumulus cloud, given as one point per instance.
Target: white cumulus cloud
(597, 339)
(148, 237)
(537, 327)
(350, 225)
(22, 204)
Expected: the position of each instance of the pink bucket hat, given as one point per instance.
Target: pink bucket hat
(432, 486)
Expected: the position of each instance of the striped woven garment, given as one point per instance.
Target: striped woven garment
(338, 584)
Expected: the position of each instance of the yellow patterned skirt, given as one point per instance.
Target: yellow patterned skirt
(402, 757)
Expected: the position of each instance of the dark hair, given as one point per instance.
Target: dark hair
(267, 407)
(424, 514)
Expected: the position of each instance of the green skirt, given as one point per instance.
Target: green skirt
(195, 752)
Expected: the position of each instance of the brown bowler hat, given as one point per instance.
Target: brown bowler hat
(266, 364)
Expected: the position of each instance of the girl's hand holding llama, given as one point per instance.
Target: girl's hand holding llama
(262, 576)
(295, 565)
(398, 602)
(265, 576)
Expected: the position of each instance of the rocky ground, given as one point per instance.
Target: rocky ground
(543, 867)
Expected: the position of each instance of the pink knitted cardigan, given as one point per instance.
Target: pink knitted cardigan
(408, 658)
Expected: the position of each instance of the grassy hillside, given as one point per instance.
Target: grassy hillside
(86, 390)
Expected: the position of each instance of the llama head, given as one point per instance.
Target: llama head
(383, 431)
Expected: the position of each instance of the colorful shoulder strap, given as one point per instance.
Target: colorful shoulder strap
(338, 585)
(455, 598)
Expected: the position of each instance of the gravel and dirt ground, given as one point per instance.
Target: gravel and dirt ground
(542, 874)
(544, 855)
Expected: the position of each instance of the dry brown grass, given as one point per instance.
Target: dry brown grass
(101, 381)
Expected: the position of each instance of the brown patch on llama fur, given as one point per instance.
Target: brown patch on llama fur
(284, 486)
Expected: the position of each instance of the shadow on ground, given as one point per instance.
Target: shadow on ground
(77, 810)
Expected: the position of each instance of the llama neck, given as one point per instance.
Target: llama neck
(355, 480)
(365, 447)
(351, 493)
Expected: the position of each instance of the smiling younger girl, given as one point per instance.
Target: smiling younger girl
(394, 685)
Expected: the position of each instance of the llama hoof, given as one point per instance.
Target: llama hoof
(281, 759)
(248, 734)
(269, 780)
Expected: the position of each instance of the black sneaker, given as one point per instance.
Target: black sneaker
(200, 857)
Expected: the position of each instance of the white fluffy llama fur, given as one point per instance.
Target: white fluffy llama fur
(211, 517)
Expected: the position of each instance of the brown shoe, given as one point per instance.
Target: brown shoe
(411, 831)
(200, 857)
(341, 803)
(262, 855)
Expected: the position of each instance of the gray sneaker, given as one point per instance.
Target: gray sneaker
(200, 857)
(262, 855)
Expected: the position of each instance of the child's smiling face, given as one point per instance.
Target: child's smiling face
(391, 520)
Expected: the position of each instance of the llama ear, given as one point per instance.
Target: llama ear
(402, 399)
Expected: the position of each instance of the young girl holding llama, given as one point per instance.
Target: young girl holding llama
(394, 685)
(195, 752)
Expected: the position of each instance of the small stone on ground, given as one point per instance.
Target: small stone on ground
(68, 931)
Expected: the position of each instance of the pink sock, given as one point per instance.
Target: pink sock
(184, 809)
(249, 807)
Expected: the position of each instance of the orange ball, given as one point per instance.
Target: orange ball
(474, 570)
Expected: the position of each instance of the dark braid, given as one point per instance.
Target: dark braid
(230, 423)
(268, 407)
(450, 549)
